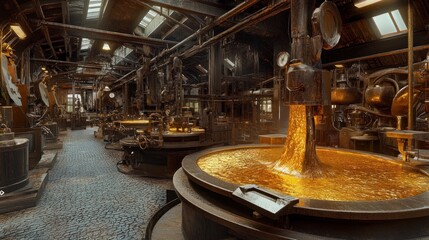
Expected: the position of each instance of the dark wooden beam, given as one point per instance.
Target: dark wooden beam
(98, 34)
(40, 15)
(380, 48)
(66, 20)
(356, 14)
(187, 6)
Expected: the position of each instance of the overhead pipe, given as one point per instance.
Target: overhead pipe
(84, 65)
(126, 75)
(260, 16)
(231, 13)
(107, 35)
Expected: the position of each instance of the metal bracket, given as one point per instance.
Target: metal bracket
(263, 201)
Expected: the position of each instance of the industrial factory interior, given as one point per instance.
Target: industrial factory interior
(214, 119)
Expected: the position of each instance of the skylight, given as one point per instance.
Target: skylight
(86, 43)
(93, 9)
(149, 17)
(390, 23)
(120, 54)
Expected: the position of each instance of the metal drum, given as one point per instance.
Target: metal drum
(13, 163)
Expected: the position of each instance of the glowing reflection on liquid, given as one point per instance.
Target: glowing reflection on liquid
(352, 176)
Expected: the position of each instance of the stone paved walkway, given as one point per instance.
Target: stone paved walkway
(87, 198)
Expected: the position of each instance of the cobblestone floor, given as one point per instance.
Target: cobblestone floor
(87, 198)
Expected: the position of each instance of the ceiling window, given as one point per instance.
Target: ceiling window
(390, 23)
(120, 54)
(86, 43)
(93, 9)
(149, 17)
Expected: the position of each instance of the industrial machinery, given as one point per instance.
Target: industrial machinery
(271, 192)
(13, 155)
(158, 147)
(14, 96)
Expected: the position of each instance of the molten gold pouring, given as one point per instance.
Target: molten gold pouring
(299, 156)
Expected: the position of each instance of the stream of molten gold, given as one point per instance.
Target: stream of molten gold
(299, 156)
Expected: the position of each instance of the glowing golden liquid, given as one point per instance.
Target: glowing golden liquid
(298, 157)
(352, 176)
(331, 175)
(193, 130)
(134, 122)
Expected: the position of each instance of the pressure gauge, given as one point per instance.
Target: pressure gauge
(111, 95)
(282, 59)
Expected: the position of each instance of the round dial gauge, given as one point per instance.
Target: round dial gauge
(282, 59)
(111, 95)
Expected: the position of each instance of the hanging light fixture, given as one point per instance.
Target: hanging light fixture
(106, 88)
(16, 27)
(106, 47)
(364, 3)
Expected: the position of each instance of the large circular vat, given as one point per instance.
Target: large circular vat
(384, 199)
(159, 156)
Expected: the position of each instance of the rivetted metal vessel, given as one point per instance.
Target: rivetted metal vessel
(217, 205)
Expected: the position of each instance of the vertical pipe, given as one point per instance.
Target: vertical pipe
(126, 99)
(410, 67)
(299, 19)
(73, 91)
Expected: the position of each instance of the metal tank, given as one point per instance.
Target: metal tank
(13, 156)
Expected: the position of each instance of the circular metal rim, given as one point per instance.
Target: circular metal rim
(8, 87)
(44, 93)
(214, 210)
(412, 207)
(330, 42)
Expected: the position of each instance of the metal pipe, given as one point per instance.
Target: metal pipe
(126, 75)
(106, 35)
(183, 20)
(233, 12)
(260, 16)
(84, 65)
(410, 67)
(162, 14)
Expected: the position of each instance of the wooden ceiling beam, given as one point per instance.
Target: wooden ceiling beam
(380, 48)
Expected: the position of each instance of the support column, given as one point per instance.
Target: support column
(411, 119)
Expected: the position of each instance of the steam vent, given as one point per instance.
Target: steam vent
(214, 119)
